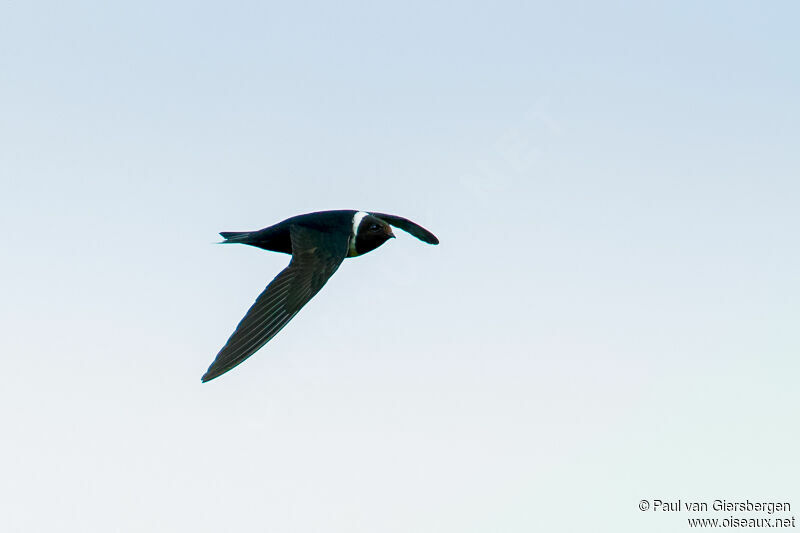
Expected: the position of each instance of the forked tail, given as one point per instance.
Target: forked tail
(235, 236)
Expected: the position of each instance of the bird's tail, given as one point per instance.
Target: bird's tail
(235, 236)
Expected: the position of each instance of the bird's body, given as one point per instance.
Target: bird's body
(318, 243)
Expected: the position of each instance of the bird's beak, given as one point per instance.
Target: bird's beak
(391, 234)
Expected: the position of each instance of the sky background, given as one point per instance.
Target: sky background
(612, 314)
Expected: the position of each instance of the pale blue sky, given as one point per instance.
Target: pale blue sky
(611, 316)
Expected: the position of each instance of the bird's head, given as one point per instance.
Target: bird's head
(370, 233)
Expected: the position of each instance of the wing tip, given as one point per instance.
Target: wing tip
(208, 376)
(215, 371)
(424, 235)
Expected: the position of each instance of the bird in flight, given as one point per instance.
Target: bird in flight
(318, 243)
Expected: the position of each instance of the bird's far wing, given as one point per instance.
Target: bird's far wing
(410, 227)
(315, 257)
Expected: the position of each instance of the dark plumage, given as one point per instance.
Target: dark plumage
(318, 243)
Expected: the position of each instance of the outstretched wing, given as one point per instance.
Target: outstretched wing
(315, 257)
(406, 225)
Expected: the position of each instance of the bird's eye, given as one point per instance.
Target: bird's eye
(374, 227)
